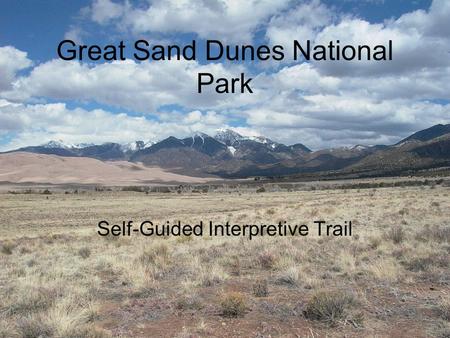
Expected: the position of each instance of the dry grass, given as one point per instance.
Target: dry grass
(59, 279)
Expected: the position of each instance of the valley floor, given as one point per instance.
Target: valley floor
(391, 278)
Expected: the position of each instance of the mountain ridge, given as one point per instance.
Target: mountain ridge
(230, 154)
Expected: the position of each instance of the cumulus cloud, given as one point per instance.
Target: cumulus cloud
(321, 104)
(12, 60)
(230, 20)
(103, 11)
(32, 124)
(142, 87)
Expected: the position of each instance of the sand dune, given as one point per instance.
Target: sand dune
(21, 167)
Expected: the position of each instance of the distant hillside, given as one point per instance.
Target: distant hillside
(229, 154)
(428, 134)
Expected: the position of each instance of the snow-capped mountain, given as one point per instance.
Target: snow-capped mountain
(136, 145)
(229, 153)
(228, 136)
(56, 144)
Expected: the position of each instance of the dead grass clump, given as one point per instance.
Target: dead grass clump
(396, 234)
(8, 329)
(35, 299)
(233, 304)
(435, 233)
(329, 307)
(444, 309)
(189, 302)
(260, 288)
(212, 275)
(235, 266)
(417, 264)
(84, 252)
(374, 242)
(157, 253)
(33, 326)
(290, 276)
(270, 211)
(267, 260)
(7, 248)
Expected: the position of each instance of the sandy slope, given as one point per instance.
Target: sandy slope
(23, 167)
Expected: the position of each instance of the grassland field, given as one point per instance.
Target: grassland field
(391, 278)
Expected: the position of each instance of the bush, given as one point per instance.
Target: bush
(262, 189)
(329, 307)
(396, 234)
(233, 304)
(157, 253)
(266, 260)
(260, 288)
(190, 302)
(32, 326)
(289, 277)
(84, 252)
(444, 310)
(7, 248)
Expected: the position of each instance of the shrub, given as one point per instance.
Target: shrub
(7, 248)
(32, 326)
(84, 252)
(157, 252)
(32, 299)
(329, 307)
(289, 277)
(266, 260)
(262, 189)
(396, 234)
(270, 211)
(444, 310)
(233, 304)
(260, 288)
(190, 302)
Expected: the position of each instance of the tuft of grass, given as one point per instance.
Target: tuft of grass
(290, 276)
(158, 253)
(435, 233)
(329, 306)
(84, 252)
(233, 304)
(396, 234)
(7, 248)
(260, 288)
(267, 260)
(31, 300)
(34, 326)
(189, 302)
(444, 309)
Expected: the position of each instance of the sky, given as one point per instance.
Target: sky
(320, 104)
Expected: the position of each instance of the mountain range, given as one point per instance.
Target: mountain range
(231, 155)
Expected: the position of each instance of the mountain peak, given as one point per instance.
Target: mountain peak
(55, 144)
(427, 134)
(228, 136)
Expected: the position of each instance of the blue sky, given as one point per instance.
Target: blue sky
(319, 104)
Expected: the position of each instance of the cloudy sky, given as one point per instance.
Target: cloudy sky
(321, 104)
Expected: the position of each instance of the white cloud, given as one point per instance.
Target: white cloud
(142, 87)
(34, 124)
(103, 11)
(320, 104)
(229, 20)
(12, 60)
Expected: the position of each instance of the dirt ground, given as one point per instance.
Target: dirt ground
(391, 278)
